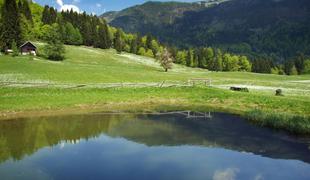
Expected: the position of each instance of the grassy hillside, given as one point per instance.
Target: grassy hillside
(89, 65)
(29, 85)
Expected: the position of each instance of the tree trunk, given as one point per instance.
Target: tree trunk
(166, 70)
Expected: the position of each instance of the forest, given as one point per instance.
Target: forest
(22, 21)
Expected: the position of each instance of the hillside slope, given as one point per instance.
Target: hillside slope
(96, 67)
(278, 28)
(146, 17)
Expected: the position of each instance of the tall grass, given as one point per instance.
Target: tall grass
(297, 124)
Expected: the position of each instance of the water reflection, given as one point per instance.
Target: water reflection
(148, 146)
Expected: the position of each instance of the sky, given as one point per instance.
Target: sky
(94, 6)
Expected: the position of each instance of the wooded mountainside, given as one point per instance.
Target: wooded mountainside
(275, 29)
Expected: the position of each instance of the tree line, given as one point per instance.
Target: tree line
(18, 24)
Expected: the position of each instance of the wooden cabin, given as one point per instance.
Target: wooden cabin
(28, 48)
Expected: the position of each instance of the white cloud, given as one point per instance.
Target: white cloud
(227, 174)
(65, 7)
(60, 2)
(98, 5)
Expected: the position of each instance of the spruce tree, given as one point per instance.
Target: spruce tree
(26, 10)
(189, 58)
(102, 40)
(118, 41)
(218, 61)
(11, 30)
(46, 15)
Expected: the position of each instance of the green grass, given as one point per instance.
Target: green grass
(84, 65)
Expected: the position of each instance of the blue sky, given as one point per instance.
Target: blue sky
(94, 6)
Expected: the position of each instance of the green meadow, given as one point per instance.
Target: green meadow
(29, 85)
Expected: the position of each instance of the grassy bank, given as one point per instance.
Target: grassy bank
(298, 124)
(19, 100)
(22, 92)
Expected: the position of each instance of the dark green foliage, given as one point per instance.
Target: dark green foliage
(72, 35)
(118, 44)
(15, 49)
(103, 40)
(288, 67)
(23, 6)
(54, 50)
(49, 15)
(189, 58)
(95, 32)
(10, 29)
(300, 63)
(134, 46)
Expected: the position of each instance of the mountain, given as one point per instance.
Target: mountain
(277, 28)
(146, 17)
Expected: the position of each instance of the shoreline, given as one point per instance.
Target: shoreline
(298, 125)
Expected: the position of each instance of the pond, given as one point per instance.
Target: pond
(149, 146)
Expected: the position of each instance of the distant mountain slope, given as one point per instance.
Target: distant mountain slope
(143, 18)
(277, 28)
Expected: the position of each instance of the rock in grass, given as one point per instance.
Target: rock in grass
(279, 92)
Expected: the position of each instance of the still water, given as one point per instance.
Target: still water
(166, 146)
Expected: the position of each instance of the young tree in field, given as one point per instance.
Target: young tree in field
(15, 49)
(118, 44)
(54, 49)
(11, 30)
(165, 59)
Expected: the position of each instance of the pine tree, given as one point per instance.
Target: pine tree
(218, 61)
(189, 59)
(118, 45)
(102, 40)
(26, 11)
(300, 63)
(11, 30)
(149, 42)
(46, 15)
